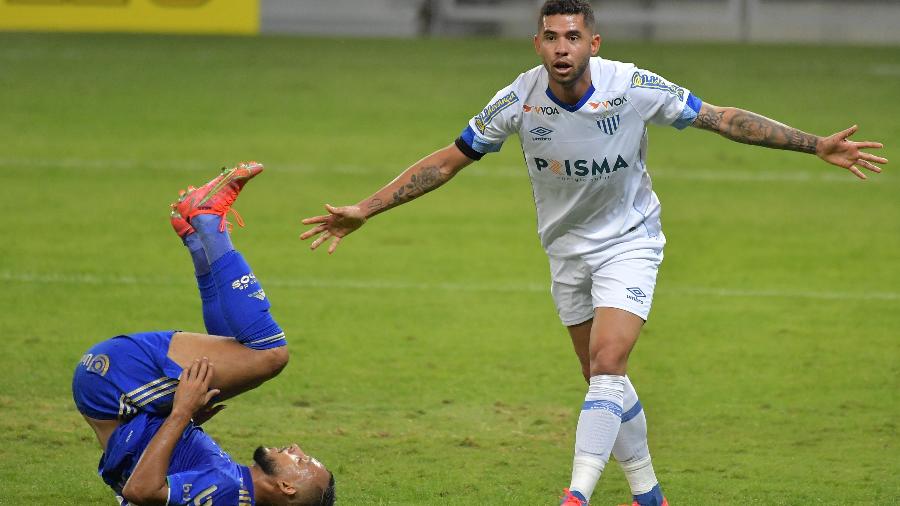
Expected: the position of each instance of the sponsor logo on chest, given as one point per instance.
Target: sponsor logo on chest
(581, 168)
(605, 105)
(540, 110)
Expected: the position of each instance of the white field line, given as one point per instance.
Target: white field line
(827, 175)
(375, 284)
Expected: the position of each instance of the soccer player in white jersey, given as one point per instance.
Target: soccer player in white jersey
(582, 122)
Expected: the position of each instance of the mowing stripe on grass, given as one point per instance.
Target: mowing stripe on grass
(94, 279)
(493, 171)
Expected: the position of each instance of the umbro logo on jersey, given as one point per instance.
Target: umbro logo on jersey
(580, 167)
(609, 124)
(543, 110)
(540, 133)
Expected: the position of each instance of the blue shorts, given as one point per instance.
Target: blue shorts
(125, 375)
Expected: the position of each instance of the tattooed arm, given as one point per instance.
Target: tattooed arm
(751, 128)
(419, 179)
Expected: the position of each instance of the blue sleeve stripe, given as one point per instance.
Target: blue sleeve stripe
(477, 143)
(689, 113)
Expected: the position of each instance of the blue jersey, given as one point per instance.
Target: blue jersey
(200, 472)
(127, 374)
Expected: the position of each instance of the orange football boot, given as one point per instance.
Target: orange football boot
(570, 499)
(217, 196)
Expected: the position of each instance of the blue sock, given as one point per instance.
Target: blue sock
(215, 243)
(213, 317)
(209, 297)
(198, 254)
(244, 303)
(652, 498)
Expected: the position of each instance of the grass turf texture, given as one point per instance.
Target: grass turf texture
(428, 364)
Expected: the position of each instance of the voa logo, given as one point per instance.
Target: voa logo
(581, 167)
(541, 110)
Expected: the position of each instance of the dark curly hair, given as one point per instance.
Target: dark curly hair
(582, 7)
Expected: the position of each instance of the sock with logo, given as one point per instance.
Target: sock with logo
(243, 301)
(209, 296)
(598, 424)
(633, 453)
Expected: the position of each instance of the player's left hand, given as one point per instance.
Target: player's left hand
(193, 391)
(207, 412)
(838, 149)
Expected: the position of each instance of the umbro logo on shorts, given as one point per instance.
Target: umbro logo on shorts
(636, 294)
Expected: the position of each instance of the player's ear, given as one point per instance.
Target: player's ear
(286, 488)
(537, 44)
(595, 43)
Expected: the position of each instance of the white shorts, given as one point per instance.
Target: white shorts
(625, 281)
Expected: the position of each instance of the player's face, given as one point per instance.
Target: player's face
(305, 474)
(565, 46)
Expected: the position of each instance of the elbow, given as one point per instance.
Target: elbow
(143, 496)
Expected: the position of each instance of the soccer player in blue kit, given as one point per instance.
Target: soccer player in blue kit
(582, 124)
(146, 394)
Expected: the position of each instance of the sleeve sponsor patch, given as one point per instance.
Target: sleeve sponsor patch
(491, 111)
(654, 82)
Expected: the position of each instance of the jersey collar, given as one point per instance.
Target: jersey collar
(248, 482)
(572, 108)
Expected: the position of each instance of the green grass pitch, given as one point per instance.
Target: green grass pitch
(428, 365)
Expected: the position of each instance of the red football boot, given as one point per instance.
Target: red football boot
(217, 196)
(570, 499)
(181, 226)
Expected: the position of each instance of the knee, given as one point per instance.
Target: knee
(609, 361)
(274, 361)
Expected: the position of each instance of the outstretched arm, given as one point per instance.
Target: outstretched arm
(147, 485)
(419, 179)
(751, 128)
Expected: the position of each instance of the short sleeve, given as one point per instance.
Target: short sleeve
(660, 102)
(488, 129)
(207, 486)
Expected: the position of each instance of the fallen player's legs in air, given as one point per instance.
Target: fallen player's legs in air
(131, 373)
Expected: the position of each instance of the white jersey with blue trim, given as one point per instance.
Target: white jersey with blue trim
(586, 161)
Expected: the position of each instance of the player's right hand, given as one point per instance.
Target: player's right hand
(193, 392)
(339, 222)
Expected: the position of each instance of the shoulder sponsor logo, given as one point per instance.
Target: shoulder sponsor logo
(609, 124)
(654, 82)
(97, 364)
(543, 110)
(606, 104)
(581, 168)
(541, 133)
(491, 111)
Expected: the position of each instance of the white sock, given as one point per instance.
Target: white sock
(598, 425)
(630, 449)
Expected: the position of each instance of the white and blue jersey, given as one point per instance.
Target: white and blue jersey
(125, 375)
(200, 472)
(587, 161)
